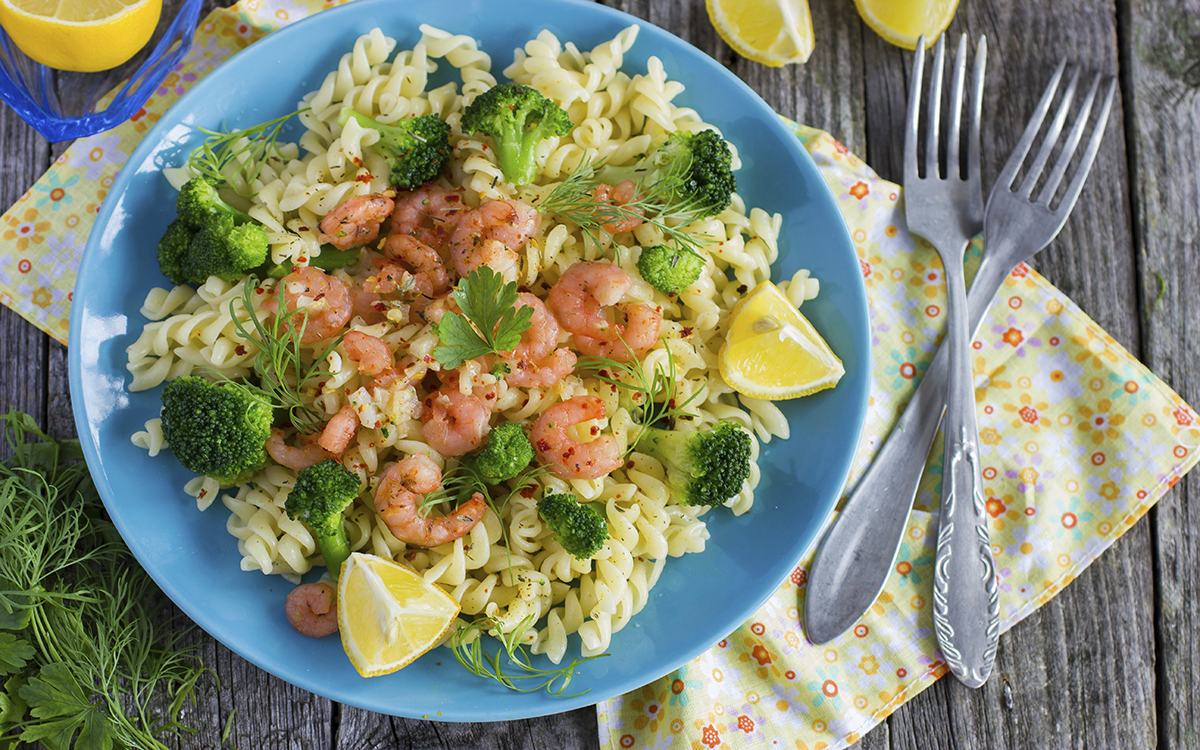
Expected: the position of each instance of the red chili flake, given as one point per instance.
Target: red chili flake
(429, 401)
(363, 178)
(358, 162)
(428, 359)
(543, 445)
(240, 350)
(742, 289)
(528, 491)
(629, 464)
(685, 332)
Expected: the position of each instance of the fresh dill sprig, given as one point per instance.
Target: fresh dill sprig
(653, 393)
(468, 649)
(221, 149)
(283, 374)
(574, 199)
(84, 651)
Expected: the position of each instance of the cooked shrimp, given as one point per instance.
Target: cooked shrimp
(356, 221)
(339, 430)
(312, 609)
(430, 278)
(581, 299)
(428, 213)
(454, 424)
(396, 501)
(566, 456)
(370, 352)
(367, 305)
(540, 338)
(541, 373)
(491, 235)
(309, 452)
(633, 339)
(324, 301)
(619, 195)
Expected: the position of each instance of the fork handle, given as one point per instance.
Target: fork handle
(857, 553)
(966, 608)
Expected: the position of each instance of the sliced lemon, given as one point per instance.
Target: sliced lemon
(773, 352)
(771, 32)
(902, 23)
(388, 614)
(80, 35)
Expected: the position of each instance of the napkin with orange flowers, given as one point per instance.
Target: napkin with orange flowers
(1077, 440)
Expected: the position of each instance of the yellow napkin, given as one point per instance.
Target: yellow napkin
(1078, 440)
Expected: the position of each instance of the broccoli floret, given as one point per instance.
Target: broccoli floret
(689, 176)
(670, 269)
(517, 118)
(505, 454)
(322, 493)
(216, 429)
(703, 468)
(417, 148)
(209, 238)
(330, 258)
(580, 529)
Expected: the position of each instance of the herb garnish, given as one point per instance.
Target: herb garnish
(83, 648)
(490, 322)
(574, 200)
(283, 373)
(219, 150)
(652, 394)
(468, 649)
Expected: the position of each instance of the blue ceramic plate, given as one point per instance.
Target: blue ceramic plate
(699, 598)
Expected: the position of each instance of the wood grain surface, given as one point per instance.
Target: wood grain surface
(1114, 660)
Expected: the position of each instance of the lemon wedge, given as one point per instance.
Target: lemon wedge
(388, 614)
(773, 352)
(771, 32)
(902, 23)
(80, 35)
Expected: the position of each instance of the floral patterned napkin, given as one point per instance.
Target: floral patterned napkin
(1078, 440)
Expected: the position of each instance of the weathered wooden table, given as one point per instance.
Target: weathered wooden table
(1114, 660)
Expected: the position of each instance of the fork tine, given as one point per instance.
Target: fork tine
(956, 98)
(914, 112)
(1068, 149)
(1052, 133)
(933, 121)
(1035, 123)
(1071, 194)
(976, 107)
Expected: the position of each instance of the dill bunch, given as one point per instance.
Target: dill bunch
(85, 650)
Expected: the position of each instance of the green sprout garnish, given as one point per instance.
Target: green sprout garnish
(283, 373)
(470, 655)
(218, 152)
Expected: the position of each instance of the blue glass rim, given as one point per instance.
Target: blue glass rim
(27, 93)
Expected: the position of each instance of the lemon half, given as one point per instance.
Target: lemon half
(388, 615)
(902, 23)
(773, 352)
(80, 35)
(772, 32)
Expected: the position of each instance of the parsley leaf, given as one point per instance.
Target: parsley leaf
(55, 697)
(490, 322)
(14, 653)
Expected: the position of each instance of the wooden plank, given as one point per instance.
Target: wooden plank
(1161, 50)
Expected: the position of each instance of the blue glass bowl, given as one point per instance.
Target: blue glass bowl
(34, 90)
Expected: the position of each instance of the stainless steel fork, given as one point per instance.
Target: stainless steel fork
(946, 208)
(857, 553)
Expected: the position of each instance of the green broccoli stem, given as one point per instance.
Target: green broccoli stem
(516, 158)
(335, 548)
